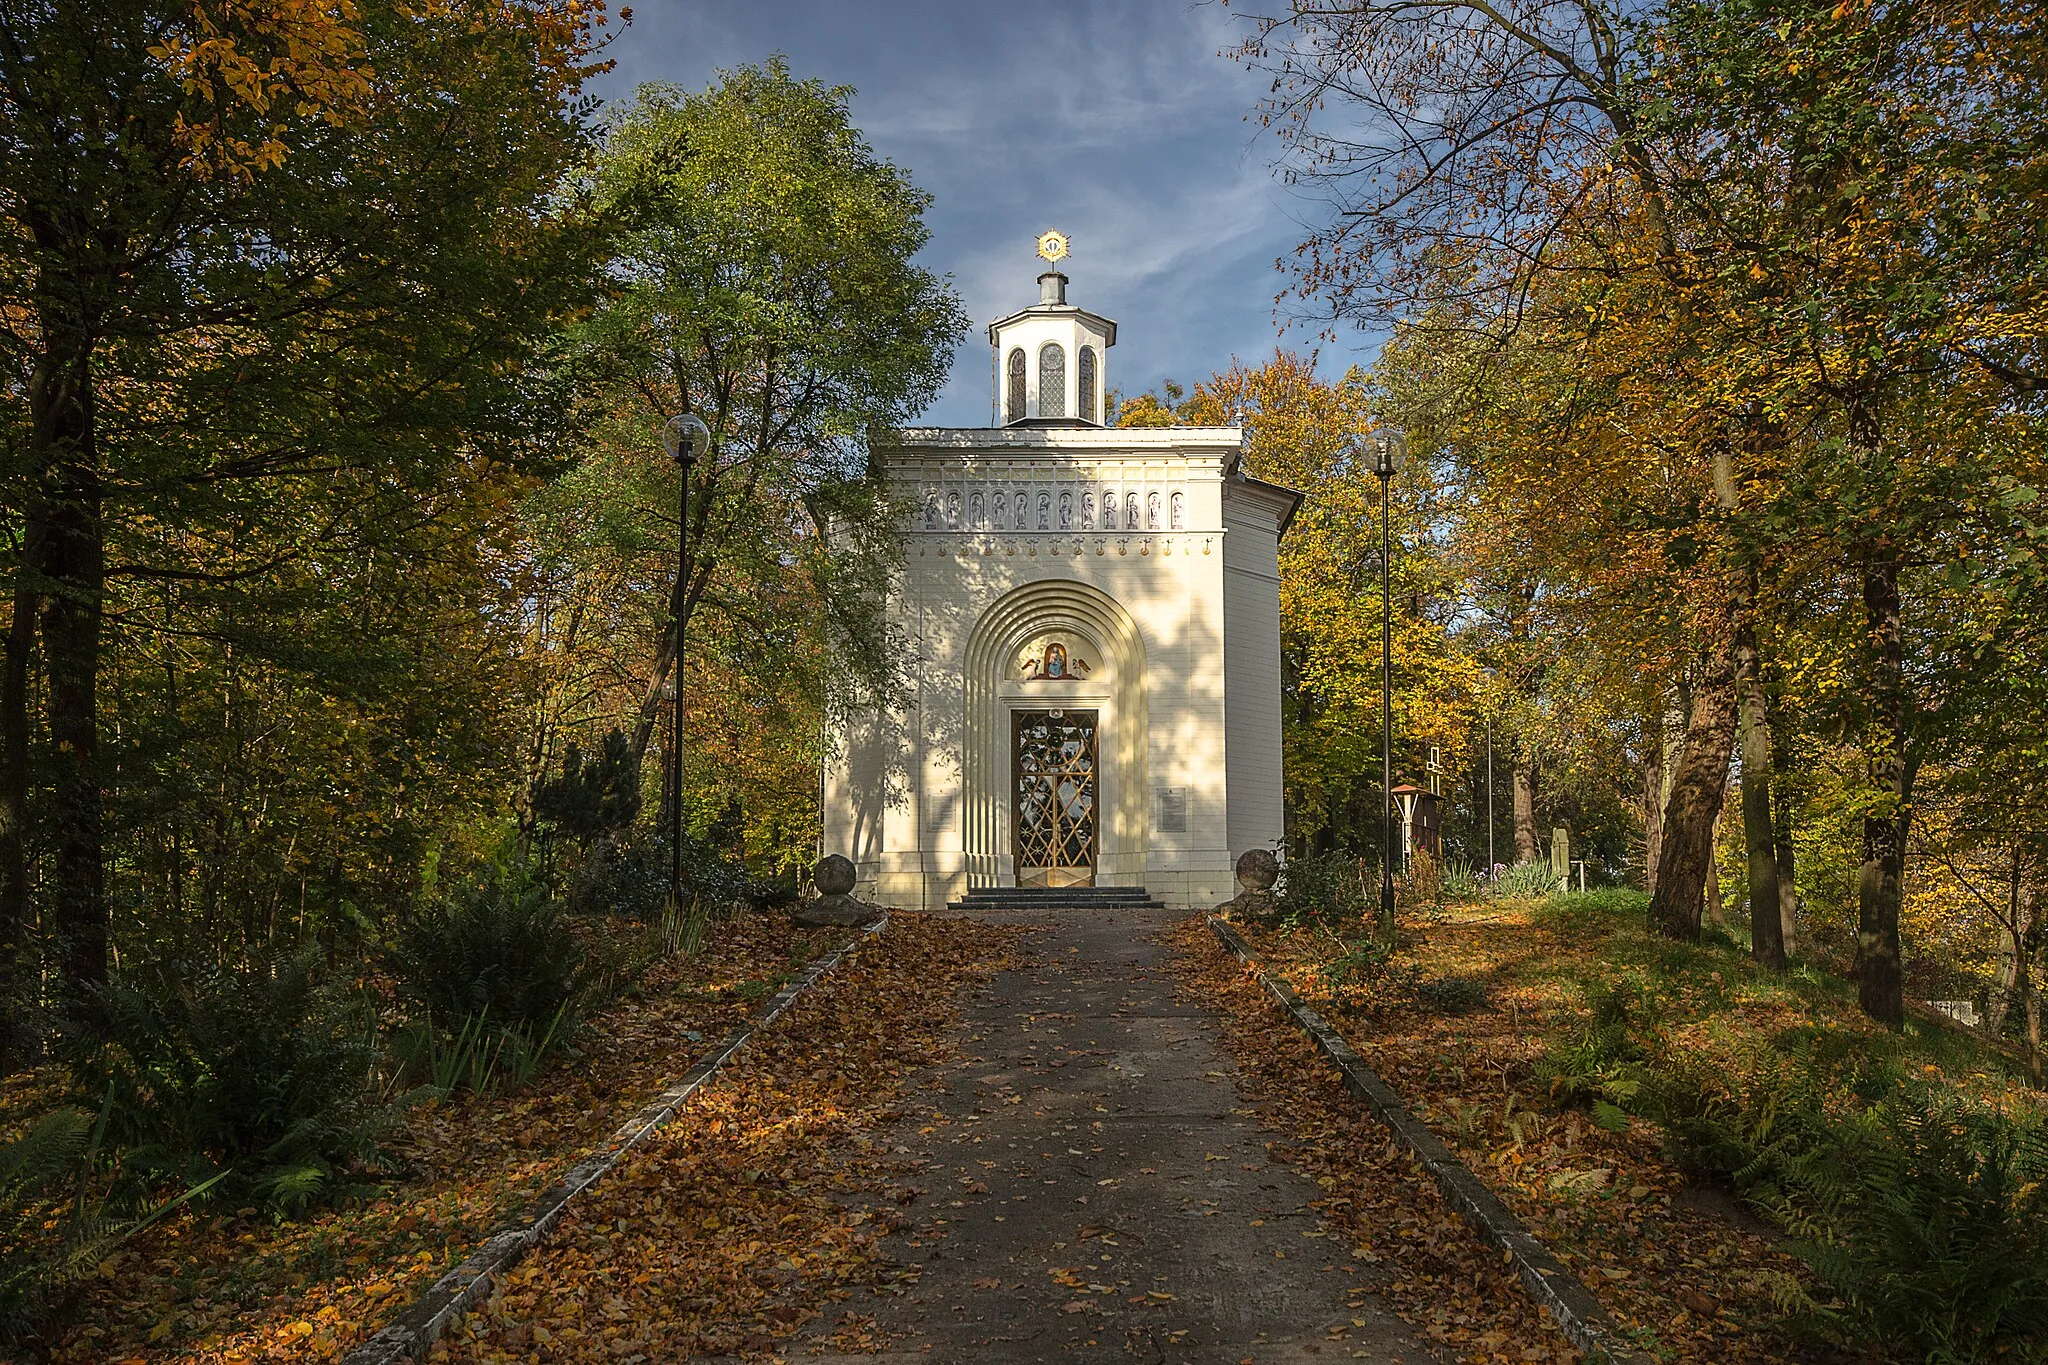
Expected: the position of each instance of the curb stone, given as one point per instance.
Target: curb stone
(1568, 1302)
(409, 1336)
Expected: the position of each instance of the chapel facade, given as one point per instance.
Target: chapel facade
(1093, 617)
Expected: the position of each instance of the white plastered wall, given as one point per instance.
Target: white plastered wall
(1157, 605)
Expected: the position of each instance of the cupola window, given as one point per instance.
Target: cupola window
(1052, 380)
(1016, 403)
(1087, 383)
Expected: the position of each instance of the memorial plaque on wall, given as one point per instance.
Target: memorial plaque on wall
(1173, 810)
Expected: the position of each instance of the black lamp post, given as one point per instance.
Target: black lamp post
(684, 438)
(1383, 450)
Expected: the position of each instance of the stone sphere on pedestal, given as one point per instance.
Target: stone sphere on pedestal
(834, 875)
(1258, 870)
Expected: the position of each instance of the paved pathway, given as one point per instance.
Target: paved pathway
(1096, 1191)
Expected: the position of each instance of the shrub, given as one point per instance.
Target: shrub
(33, 1170)
(51, 1232)
(1526, 881)
(1601, 1064)
(1925, 1219)
(258, 1070)
(1461, 881)
(625, 877)
(1454, 994)
(630, 877)
(1929, 1223)
(1321, 888)
(500, 949)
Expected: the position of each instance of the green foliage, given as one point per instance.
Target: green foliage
(499, 949)
(594, 796)
(1600, 1063)
(1461, 881)
(624, 877)
(481, 1058)
(1925, 1218)
(33, 1167)
(1526, 881)
(1610, 902)
(44, 1247)
(630, 878)
(1322, 888)
(260, 1070)
(1453, 994)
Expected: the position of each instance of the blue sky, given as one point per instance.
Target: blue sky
(1116, 123)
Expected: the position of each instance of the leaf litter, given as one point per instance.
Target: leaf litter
(225, 1287)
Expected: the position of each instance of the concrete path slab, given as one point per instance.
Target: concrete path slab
(1090, 1187)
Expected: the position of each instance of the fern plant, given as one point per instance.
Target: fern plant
(1924, 1220)
(500, 947)
(259, 1070)
(51, 1231)
(1928, 1222)
(1601, 1064)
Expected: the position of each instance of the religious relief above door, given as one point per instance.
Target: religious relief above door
(1054, 768)
(1054, 665)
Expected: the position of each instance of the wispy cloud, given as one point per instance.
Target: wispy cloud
(1119, 124)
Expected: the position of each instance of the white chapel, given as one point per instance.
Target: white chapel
(1093, 616)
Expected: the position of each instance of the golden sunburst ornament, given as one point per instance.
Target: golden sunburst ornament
(1052, 246)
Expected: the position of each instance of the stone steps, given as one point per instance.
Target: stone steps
(1057, 898)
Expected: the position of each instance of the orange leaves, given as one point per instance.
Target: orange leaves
(249, 65)
(737, 1225)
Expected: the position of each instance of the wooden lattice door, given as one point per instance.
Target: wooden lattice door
(1053, 761)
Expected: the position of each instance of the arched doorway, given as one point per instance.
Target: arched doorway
(1055, 740)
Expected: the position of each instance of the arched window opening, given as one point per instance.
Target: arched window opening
(1015, 407)
(1087, 383)
(1052, 380)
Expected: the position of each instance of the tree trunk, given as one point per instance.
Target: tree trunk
(1715, 910)
(2033, 998)
(68, 570)
(2013, 933)
(1780, 727)
(1653, 799)
(14, 732)
(1525, 806)
(1689, 815)
(1766, 916)
(1880, 983)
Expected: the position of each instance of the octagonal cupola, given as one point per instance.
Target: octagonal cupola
(1048, 359)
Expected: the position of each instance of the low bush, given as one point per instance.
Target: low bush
(1525, 881)
(1453, 994)
(1601, 1065)
(260, 1071)
(500, 949)
(53, 1232)
(1461, 881)
(624, 877)
(1318, 888)
(629, 876)
(1923, 1218)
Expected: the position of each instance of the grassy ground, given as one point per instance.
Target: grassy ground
(233, 1285)
(1690, 1269)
